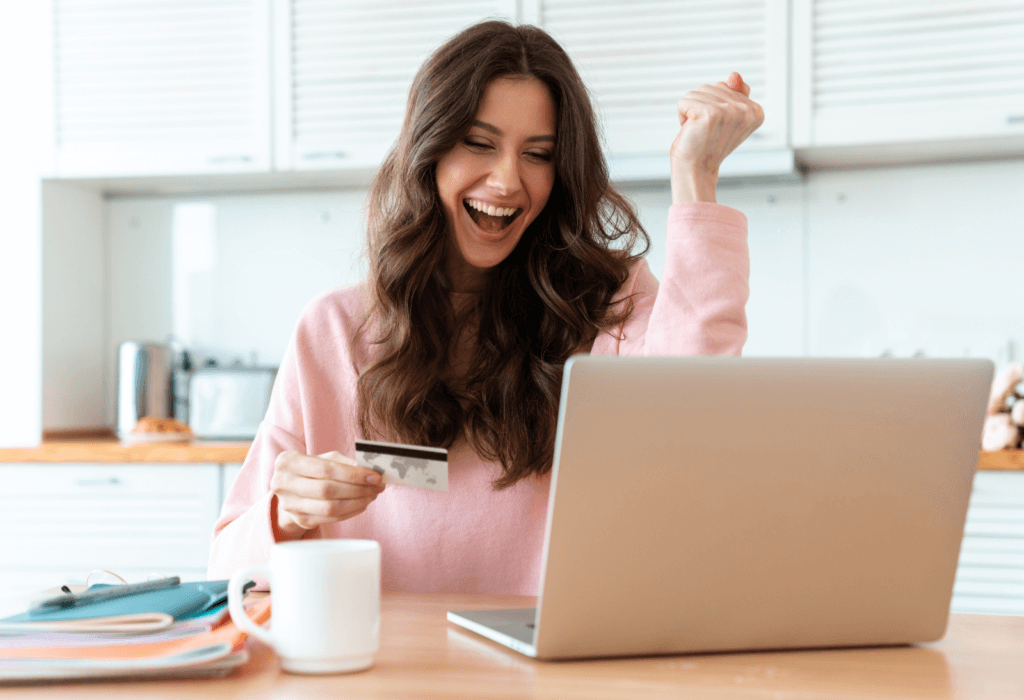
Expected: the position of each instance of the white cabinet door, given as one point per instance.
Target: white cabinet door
(161, 87)
(343, 71)
(58, 520)
(640, 57)
(908, 72)
(990, 576)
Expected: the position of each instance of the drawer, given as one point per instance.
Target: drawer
(990, 573)
(986, 605)
(997, 487)
(1006, 583)
(116, 517)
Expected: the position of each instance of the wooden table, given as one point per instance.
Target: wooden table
(108, 449)
(423, 656)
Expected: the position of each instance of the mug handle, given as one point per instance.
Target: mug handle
(238, 615)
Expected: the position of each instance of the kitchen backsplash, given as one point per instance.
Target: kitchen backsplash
(911, 260)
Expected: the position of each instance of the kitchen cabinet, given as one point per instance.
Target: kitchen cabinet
(990, 576)
(272, 88)
(342, 73)
(907, 79)
(639, 58)
(61, 521)
(156, 88)
(160, 87)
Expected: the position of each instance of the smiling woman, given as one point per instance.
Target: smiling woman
(498, 248)
(476, 309)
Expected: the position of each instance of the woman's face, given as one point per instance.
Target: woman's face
(495, 182)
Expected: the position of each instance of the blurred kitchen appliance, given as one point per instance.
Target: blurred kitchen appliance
(227, 403)
(143, 383)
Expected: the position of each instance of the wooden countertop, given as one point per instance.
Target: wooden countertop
(104, 447)
(1004, 460)
(424, 657)
(99, 447)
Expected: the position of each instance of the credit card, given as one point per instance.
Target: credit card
(408, 465)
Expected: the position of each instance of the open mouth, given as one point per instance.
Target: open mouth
(490, 218)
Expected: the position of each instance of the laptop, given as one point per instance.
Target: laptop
(707, 504)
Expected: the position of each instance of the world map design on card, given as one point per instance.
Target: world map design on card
(408, 465)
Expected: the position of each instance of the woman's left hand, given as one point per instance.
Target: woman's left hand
(714, 120)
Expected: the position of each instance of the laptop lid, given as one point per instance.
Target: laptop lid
(714, 503)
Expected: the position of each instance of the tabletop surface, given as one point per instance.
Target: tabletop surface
(423, 656)
(110, 450)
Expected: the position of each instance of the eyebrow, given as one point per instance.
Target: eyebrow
(495, 130)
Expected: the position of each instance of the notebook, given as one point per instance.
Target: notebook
(201, 653)
(181, 601)
(706, 504)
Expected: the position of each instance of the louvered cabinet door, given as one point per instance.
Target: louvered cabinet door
(990, 575)
(343, 71)
(161, 87)
(906, 71)
(60, 520)
(639, 57)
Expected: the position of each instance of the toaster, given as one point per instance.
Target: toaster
(227, 403)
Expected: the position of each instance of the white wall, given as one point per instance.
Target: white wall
(24, 67)
(75, 279)
(854, 263)
(917, 259)
(272, 253)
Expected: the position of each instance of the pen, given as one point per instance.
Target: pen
(106, 593)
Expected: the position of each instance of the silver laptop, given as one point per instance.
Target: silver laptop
(716, 504)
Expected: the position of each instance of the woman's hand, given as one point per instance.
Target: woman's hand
(714, 120)
(313, 491)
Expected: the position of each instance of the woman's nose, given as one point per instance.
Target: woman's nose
(504, 176)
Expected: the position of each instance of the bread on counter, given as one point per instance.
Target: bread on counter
(151, 428)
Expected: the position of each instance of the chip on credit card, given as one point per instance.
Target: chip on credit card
(408, 465)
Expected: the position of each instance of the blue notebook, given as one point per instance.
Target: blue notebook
(180, 602)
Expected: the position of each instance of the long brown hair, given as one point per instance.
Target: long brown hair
(546, 301)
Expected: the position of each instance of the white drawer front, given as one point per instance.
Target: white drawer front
(116, 517)
(990, 575)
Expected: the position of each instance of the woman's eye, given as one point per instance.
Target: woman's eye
(476, 144)
(545, 156)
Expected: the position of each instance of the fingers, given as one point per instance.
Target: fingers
(310, 513)
(332, 465)
(720, 100)
(735, 82)
(338, 457)
(327, 489)
(313, 491)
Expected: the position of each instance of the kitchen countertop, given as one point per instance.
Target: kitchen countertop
(1003, 460)
(104, 447)
(100, 446)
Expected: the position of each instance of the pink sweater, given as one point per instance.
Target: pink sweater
(470, 539)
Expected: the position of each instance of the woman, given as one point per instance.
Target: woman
(498, 249)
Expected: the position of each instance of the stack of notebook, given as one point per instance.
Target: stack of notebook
(167, 629)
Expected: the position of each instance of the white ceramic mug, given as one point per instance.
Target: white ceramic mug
(326, 604)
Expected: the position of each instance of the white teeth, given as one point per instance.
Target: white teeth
(490, 209)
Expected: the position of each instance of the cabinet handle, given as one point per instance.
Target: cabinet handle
(1015, 119)
(322, 155)
(228, 159)
(108, 481)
